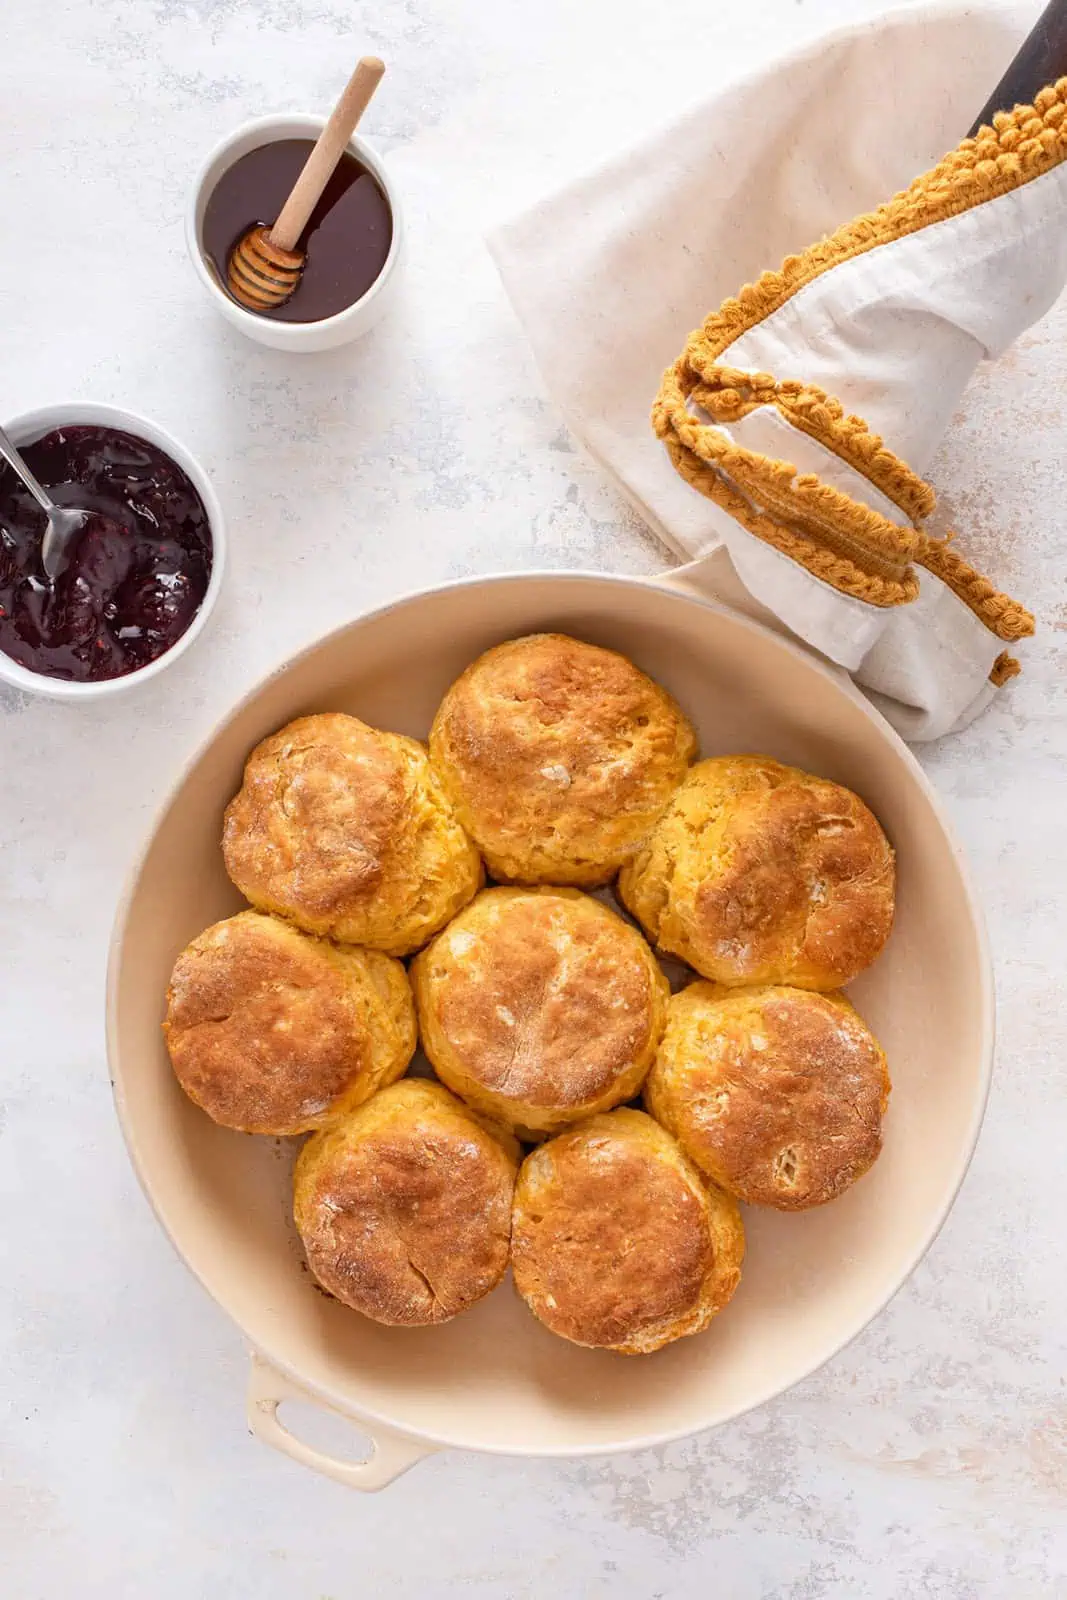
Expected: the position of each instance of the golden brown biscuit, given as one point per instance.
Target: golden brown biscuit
(348, 833)
(617, 1241)
(777, 1094)
(404, 1207)
(759, 873)
(558, 756)
(273, 1031)
(540, 1006)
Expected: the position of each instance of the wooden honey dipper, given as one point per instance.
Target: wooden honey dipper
(265, 266)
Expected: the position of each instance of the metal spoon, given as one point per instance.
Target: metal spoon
(63, 524)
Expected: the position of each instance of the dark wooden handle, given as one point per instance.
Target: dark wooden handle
(1041, 60)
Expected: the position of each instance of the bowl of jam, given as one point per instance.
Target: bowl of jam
(352, 241)
(140, 577)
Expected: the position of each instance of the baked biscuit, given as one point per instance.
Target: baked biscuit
(540, 1006)
(776, 1094)
(348, 833)
(273, 1031)
(617, 1241)
(558, 756)
(404, 1207)
(760, 873)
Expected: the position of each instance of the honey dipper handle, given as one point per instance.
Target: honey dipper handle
(329, 148)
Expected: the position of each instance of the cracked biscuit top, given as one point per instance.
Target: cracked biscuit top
(776, 1094)
(273, 1031)
(618, 1242)
(540, 1006)
(404, 1207)
(558, 756)
(347, 832)
(760, 873)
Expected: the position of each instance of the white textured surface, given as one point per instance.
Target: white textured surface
(931, 1458)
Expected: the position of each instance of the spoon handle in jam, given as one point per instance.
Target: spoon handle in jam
(17, 465)
(329, 148)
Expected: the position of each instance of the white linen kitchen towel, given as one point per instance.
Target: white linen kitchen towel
(791, 433)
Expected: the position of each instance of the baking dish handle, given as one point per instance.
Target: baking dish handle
(391, 1454)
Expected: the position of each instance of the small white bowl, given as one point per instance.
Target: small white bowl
(330, 332)
(73, 414)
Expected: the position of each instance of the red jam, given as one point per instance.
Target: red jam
(136, 574)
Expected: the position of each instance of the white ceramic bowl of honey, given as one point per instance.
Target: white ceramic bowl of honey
(302, 337)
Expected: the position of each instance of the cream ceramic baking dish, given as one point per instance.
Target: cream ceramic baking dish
(494, 1379)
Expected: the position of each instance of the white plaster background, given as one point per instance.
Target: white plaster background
(928, 1460)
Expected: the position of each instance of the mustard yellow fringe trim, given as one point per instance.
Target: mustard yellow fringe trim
(1003, 616)
(1005, 667)
(839, 540)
